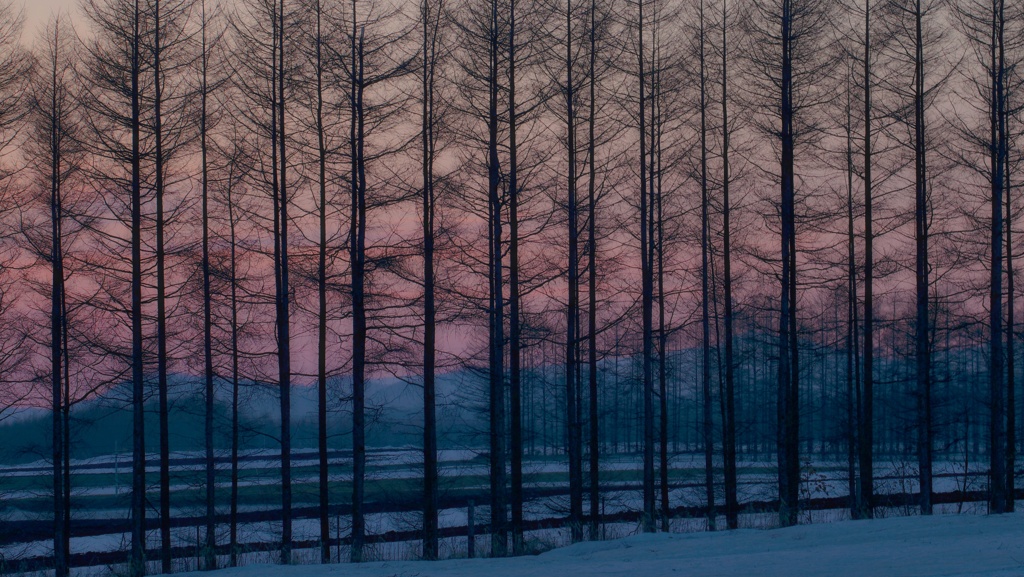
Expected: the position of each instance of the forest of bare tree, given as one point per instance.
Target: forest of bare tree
(298, 280)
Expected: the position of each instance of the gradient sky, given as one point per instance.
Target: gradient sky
(37, 12)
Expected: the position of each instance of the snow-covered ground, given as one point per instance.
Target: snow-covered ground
(946, 545)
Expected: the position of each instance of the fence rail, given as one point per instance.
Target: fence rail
(86, 527)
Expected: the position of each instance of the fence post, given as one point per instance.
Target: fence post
(604, 520)
(470, 532)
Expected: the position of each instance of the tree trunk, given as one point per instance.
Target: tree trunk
(321, 401)
(705, 373)
(922, 346)
(729, 426)
(210, 547)
(137, 560)
(997, 423)
(788, 399)
(1011, 377)
(282, 296)
(515, 345)
(233, 529)
(595, 447)
(161, 305)
(430, 476)
(647, 295)
(66, 446)
(357, 248)
(57, 322)
(852, 321)
(572, 320)
(866, 445)
(499, 529)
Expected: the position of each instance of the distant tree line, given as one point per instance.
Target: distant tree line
(734, 227)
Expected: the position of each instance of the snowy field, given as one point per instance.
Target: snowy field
(100, 494)
(943, 545)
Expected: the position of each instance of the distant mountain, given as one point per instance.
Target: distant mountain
(103, 424)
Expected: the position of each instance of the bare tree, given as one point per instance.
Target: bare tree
(261, 32)
(786, 46)
(985, 27)
(210, 34)
(705, 249)
(116, 66)
(921, 224)
(853, 363)
(376, 57)
(729, 392)
(137, 563)
(568, 74)
(496, 323)
(515, 295)
(866, 443)
(591, 251)
(920, 47)
(357, 262)
(281, 292)
(56, 157)
(431, 22)
(647, 282)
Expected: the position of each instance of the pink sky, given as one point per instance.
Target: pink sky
(37, 12)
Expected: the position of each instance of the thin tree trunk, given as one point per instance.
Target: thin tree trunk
(997, 423)
(233, 530)
(657, 226)
(66, 423)
(866, 445)
(1011, 377)
(281, 294)
(852, 341)
(705, 373)
(57, 322)
(788, 400)
(572, 312)
(161, 305)
(595, 448)
(210, 548)
(499, 528)
(321, 401)
(430, 502)
(647, 293)
(515, 345)
(137, 560)
(729, 439)
(430, 478)
(923, 352)
(666, 507)
(357, 249)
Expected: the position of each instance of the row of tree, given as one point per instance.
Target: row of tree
(170, 157)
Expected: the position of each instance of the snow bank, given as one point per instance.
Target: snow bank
(946, 545)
